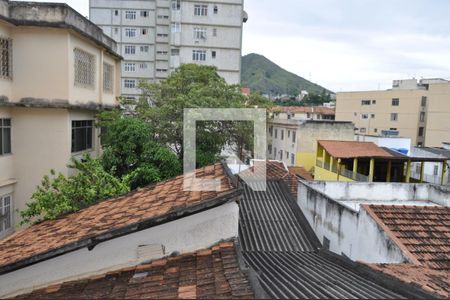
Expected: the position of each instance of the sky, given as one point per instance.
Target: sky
(347, 45)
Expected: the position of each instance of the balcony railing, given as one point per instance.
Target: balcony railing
(343, 172)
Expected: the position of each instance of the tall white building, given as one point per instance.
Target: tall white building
(156, 36)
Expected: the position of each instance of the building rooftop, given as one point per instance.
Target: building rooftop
(301, 172)
(353, 149)
(305, 109)
(141, 209)
(421, 232)
(211, 273)
(55, 15)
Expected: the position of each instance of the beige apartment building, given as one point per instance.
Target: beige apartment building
(419, 110)
(57, 69)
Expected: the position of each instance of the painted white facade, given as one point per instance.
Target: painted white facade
(166, 34)
(333, 211)
(184, 235)
(432, 170)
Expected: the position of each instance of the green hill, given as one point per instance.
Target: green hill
(264, 76)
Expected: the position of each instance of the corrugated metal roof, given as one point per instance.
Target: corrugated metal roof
(302, 275)
(268, 222)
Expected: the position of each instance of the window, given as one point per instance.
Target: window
(176, 27)
(215, 32)
(116, 12)
(276, 133)
(161, 70)
(365, 102)
(372, 116)
(84, 69)
(216, 9)
(275, 152)
(393, 129)
(198, 55)
(130, 14)
(200, 10)
(175, 52)
(130, 32)
(144, 13)
(287, 155)
(294, 133)
(162, 52)
(116, 30)
(144, 49)
(5, 213)
(418, 168)
(374, 102)
(364, 116)
(422, 117)
(362, 130)
(176, 4)
(394, 117)
(130, 49)
(143, 66)
(282, 134)
(271, 131)
(289, 133)
(130, 67)
(144, 31)
(163, 17)
(269, 148)
(281, 154)
(5, 58)
(436, 170)
(421, 130)
(199, 33)
(5, 136)
(108, 78)
(213, 54)
(293, 159)
(395, 102)
(375, 130)
(82, 133)
(162, 35)
(424, 101)
(130, 83)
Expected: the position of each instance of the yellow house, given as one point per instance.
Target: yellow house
(57, 70)
(364, 161)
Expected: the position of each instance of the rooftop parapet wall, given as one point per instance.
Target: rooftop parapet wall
(57, 15)
(383, 192)
(346, 231)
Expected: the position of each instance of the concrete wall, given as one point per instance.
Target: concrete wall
(383, 192)
(438, 125)
(185, 235)
(354, 234)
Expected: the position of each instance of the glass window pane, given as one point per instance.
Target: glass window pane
(7, 141)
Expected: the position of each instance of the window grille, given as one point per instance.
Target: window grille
(5, 58)
(84, 69)
(5, 136)
(198, 55)
(5, 213)
(108, 78)
(82, 133)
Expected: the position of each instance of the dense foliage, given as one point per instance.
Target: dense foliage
(59, 194)
(312, 99)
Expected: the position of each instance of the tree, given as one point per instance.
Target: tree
(191, 86)
(131, 153)
(58, 194)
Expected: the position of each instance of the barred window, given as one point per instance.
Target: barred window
(108, 78)
(84, 69)
(130, 83)
(5, 136)
(198, 55)
(130, 49)
(82, 133)
(130, 14)
(5, 58)
(5, 213)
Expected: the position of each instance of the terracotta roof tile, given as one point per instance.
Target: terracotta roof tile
(422, 231)
(301, 172)
(305, 109)
(435, 281)
(353, 149)
(210, 273)
(106, 216)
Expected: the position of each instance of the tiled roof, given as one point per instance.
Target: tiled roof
(212, 273)
(305, 109)
(434, 281)
(422, 232)
(301, 172)
(153, 205)
(353, 149)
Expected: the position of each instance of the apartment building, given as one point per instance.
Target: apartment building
(156, 36)
(57, 70)
(294, 142)
(303, 113)
(419, 110)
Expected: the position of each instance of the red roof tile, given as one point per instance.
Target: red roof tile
(301, 172)
(422, 232)
(144, 204)
(353, 149)
(305, 109)
(212, 273)
(434, 281)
